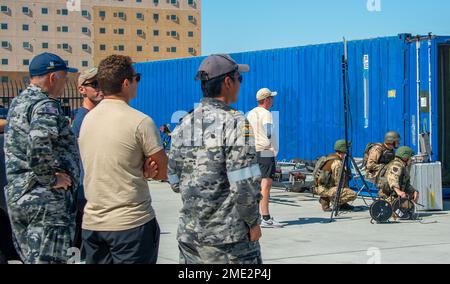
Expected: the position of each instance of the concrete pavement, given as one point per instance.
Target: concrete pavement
(308, 237)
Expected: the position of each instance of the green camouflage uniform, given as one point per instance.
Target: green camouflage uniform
(39, 142)
(212, 163)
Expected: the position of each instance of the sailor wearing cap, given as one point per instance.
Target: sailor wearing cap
(42, 165)
(212, 163)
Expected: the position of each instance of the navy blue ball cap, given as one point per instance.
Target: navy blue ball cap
(46, 63)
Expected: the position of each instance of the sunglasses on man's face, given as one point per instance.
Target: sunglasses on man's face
(137, 77)
(93, 85)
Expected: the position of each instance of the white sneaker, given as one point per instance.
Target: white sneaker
(271, 224)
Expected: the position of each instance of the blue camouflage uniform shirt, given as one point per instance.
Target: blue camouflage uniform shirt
(39, 142)
(212, 163)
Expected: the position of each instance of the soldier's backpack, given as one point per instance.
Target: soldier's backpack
(321, 176)
(366, 152)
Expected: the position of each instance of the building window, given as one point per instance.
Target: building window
(190, 34)
(65, 46)
(44, 28)
(156, 2)
(120, 15)
(84, 63)
(25, 10)
(26, 45)
(191, 2)
(119, 31)
(191, 50)
(139, 48)
(45, 45)
(191, 18)
(173, 34)
(25, 27)
(4, 9)
(4, 61)
(102, 47)
(64, 12)
(156, 49)
(4, 26)
(156, 17)
(140, 32)
(44, 11)
(102, 30)
(138, 1)
(26, 62)
(173, 18)
(155, 32)
(5, 44)
(84, 30)
(172, 49)
(5, 79)
(139, 16)
(65, 29)
(85, 13)
(102, 14)
(121, 48)
(84, 47)
(174, 2)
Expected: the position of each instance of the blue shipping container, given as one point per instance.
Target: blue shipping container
(383, 86)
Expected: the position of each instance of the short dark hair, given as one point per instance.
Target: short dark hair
(112, 71)
(213, 87)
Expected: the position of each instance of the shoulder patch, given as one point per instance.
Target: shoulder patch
(49, 109)
(247, 130)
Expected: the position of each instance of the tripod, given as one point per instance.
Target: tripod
(348, 156)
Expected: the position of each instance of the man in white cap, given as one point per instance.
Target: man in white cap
(266, 149)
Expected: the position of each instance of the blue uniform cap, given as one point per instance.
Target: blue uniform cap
(45, 63)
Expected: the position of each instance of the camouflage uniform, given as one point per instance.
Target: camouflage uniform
(329, 191)
(379, 157)
(39, 143)
(212, 163)
(395, 176)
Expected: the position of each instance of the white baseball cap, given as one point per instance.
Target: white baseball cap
(265, 93)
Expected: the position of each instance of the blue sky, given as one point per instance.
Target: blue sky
(244, 25)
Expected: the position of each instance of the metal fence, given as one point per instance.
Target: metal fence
(70, 101)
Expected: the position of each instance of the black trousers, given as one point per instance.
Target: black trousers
(135, 246)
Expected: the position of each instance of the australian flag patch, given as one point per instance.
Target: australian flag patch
(51, 110)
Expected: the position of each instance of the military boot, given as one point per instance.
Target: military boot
(346, 207)
(325, 202)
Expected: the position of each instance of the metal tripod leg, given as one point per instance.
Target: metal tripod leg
(361, 176)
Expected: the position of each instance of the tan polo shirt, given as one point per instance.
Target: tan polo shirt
(115, 141)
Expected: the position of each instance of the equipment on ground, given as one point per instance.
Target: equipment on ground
(380, 211)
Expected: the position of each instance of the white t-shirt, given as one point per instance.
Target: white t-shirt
(262, 124)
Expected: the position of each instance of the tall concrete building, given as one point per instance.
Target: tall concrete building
(143, 29)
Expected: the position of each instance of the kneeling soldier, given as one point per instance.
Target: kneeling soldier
(394, 181)
(327, 174)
